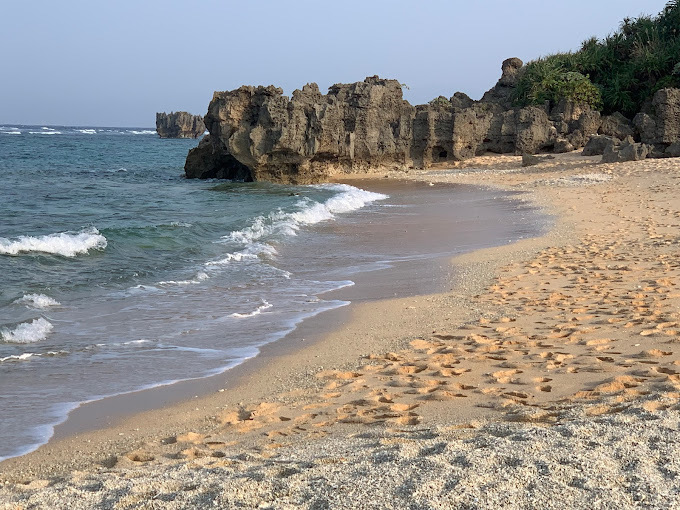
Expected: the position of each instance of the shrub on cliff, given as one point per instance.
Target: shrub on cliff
(627, 67)
(549, 80)
(440, 102)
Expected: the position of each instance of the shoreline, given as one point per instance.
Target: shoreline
(546, 340)
(116, 411)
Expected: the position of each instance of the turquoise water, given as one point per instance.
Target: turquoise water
(118, 274)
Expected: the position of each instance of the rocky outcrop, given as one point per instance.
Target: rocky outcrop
(660, 126)
(616, 125)
(257, 133)
(666, 104)
(205, 162)
(628, 150)
(501, 93)
(598, 144)
(645, 125)
(673, 150)
(179, 125)
(309, 137)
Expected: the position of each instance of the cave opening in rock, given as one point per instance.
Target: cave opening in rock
(439, 154)
(231, 168)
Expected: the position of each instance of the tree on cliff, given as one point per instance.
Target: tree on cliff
(623, 70)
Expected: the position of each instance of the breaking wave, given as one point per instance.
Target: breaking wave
(39, 301)
(348, 199)
(63, 243)
(27, 332)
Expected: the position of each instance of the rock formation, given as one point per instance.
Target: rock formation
(628, 150)
(179, 125)
(257, 133)
(653, 134)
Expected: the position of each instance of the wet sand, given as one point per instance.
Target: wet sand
(416, 235)
(548, 371)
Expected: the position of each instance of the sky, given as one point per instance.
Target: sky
(117, 63)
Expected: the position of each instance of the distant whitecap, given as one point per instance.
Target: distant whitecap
(142, 132)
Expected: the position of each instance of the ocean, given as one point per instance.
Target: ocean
(118, 274)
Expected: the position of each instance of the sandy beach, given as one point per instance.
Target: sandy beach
(547, 375)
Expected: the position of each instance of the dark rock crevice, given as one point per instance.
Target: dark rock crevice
(204, 162)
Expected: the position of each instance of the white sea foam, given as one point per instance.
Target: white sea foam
(27, 332)
(121, 344)
(63, 243)
(252, 252)
(348, 199)
(137, 289)
(19, 357)
(28, 355)
(45, 132)
(12, 132)
(142, 132)
(87, 131)
(137, 342)
(264, 306)
(39, 301)
(201, 276)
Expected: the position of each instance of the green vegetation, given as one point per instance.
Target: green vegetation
(440, 102)
(619, 73)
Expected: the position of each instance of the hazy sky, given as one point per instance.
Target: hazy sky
(117, 63)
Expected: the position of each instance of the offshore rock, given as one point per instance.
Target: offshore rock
(179, 125)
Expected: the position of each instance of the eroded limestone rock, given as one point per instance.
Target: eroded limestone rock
(179, 125)
(666, 104)
(257, 133)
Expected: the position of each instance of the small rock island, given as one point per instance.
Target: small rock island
(179, 125)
